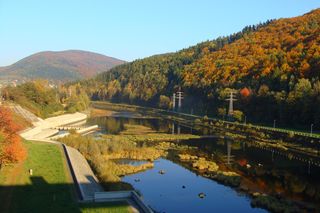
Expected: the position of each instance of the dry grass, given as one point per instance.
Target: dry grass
(94, 112)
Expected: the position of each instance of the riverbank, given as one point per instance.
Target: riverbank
(296, 142)
(135, 108)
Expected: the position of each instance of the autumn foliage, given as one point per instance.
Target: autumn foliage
(11, 148)
(245, 92)
(277, 61)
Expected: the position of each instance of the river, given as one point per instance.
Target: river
(270, 170)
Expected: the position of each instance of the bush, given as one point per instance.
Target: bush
(291, 134)
(238, 115)
(164, 102)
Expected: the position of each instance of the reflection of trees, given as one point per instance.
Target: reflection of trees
(236, 145)
(164, 127)
(112, 125)
(273, 174)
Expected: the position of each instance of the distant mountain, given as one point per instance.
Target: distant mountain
(59, 66)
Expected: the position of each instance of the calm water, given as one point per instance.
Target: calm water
(130, 162)
(164, 193)
(114, 125)
(275, 171)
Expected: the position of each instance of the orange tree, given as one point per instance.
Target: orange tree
(11, 148)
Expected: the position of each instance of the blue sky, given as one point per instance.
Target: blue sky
(129, 29)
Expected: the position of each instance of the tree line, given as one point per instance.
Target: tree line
(278, 62)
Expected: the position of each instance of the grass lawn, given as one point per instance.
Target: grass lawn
(117, 207)
(49, 189)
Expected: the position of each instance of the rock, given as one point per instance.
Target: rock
(256, 194)
(244, 188)
(202, 195)
(137, 180)
(183, 186)
(162, 172)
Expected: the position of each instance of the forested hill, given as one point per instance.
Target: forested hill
(59, 66)
(278, 64)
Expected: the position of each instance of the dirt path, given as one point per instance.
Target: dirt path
(12, 179)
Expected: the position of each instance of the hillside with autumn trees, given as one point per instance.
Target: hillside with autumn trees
(273, 67)
(45, 100)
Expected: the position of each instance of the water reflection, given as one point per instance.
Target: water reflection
(173, 125)
(273, 170)
(114, 125)
(130, 162)
(178, 189)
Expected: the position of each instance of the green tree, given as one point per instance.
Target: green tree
(238, 115)
(164, 102)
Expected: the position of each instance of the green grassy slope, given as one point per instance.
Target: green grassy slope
(49, 189)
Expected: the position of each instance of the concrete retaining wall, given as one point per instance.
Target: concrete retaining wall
(122, 195)
(41, 129)
(107, 196)
(87, 129)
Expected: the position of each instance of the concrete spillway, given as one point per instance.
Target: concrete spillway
(45, 128)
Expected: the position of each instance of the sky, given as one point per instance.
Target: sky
(129, 29)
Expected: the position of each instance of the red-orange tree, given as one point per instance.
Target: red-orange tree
(11, 148)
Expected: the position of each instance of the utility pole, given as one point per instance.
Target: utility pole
(179, 94)
(274, 124)
(174, 101)
(311, 130)
(231, 99)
